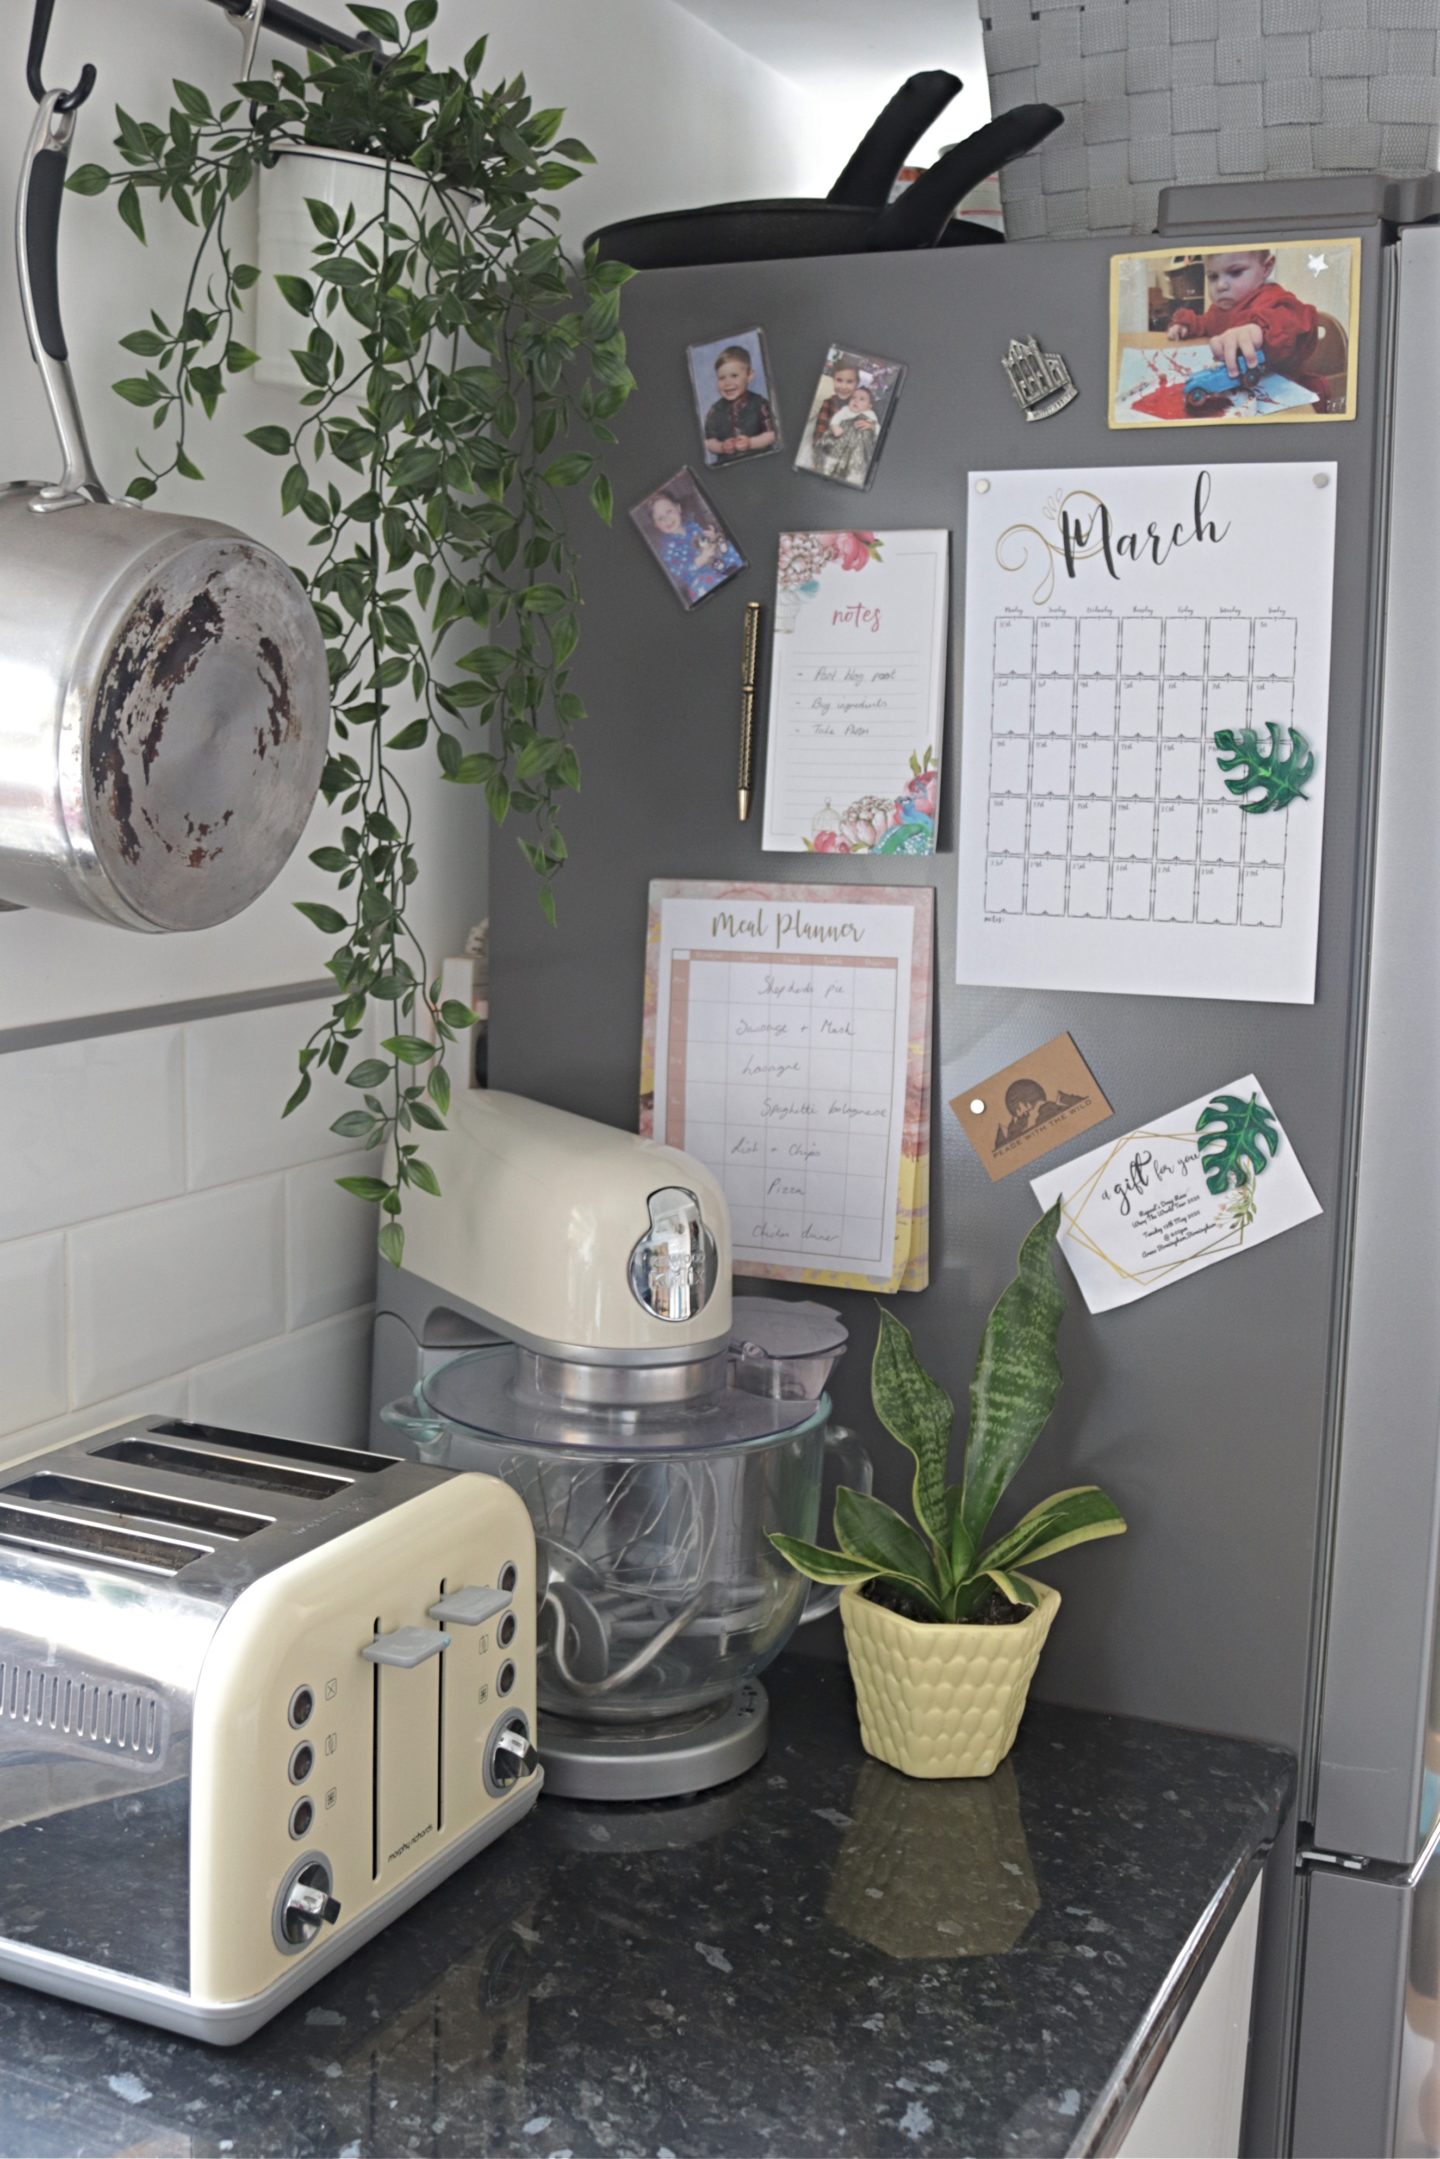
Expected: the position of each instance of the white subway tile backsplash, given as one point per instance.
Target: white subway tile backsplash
(175, 1285)
(311, 1385)
(157, 1214)
(87, 1128)
(32, 1331)
(168, 1397)
(329, 1240)
(240, 1071)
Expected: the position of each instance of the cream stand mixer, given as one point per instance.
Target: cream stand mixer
(564, 1321)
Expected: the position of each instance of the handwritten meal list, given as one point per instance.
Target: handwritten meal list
(857, 692)
(785, 1051)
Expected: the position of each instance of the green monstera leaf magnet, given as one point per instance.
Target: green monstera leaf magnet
(1279, 770)
(1238, 1141)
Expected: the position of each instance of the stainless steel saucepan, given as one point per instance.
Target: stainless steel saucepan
(164, 703)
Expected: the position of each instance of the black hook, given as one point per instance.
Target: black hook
(69, 100)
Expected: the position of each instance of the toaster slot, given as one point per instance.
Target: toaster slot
(97, 1543)
(223, 1469)
(137, 1506)
(291, 1450)
(406, 1715)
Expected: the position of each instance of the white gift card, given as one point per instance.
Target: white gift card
(1213, 1178)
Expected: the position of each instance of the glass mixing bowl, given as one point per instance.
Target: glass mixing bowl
(659, 1591)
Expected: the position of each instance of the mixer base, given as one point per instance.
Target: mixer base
(667, 1759)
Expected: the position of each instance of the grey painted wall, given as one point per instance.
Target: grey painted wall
(1203, 1408)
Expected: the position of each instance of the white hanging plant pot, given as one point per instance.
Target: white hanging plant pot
(346, 180)
(941, 1700)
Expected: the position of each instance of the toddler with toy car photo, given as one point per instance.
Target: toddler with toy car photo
(1206, 335)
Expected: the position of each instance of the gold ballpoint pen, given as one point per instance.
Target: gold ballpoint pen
(749, 658)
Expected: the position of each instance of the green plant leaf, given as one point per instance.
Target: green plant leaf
(918, 1412)
(392, 1243)
(371, 1188)
(410, 1049)
(127, 202)
(88, 180)
(379, 20)
(355, 1124)
(868, 1530)
(1014, 1587)
(1279, 770)
(821, 1566)
(960, 1544)
(297, 292)
(328, 919)
(1238, 1140)
(275, 441)
(410, 737)
(371, 1073)
(1017, 1376)
(1065, 1519)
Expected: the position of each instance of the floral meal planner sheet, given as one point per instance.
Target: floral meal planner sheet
(787, 1047)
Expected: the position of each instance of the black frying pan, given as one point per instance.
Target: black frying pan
(856, 217)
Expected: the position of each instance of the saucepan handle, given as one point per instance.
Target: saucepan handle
(851, 1457)
(37, 246)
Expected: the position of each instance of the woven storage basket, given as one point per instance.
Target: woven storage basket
(1157, 91)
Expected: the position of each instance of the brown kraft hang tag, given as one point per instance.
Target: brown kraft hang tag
(1034, 1105)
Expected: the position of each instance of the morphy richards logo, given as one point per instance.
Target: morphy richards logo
(410, 1843)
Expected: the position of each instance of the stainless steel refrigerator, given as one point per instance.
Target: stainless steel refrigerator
(1271, 1427)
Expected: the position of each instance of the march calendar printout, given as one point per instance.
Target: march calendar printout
(1147, 675)
(787, 1032)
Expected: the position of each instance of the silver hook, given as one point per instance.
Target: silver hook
(250, 25)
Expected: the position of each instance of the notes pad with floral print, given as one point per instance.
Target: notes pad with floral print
(857, 693)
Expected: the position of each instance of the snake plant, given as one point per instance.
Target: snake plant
(940, 1567)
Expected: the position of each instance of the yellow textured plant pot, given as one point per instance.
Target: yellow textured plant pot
(941, 1701)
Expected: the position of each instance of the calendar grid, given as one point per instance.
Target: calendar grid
(1105, 797)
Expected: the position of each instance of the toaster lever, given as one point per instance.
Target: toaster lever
(405, 1646)
(470, 1607)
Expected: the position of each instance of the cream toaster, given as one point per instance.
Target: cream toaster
(257, 1696)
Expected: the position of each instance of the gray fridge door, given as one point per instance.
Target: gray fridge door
(1368, 2082)
(1204, 1409)
(1378, 1714)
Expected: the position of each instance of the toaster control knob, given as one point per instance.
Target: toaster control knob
(514, 1756)
(308, 1906)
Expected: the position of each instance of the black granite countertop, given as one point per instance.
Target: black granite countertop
(824, 1957)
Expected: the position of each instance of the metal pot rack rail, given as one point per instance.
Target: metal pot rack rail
(250, 17)
(282, 20)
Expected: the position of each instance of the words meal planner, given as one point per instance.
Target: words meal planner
(787, 1046)
(1147, 678)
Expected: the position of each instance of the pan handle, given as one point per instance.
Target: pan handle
(37, 249)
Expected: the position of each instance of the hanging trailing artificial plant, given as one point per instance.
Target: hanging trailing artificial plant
(447, 347)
